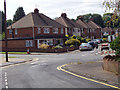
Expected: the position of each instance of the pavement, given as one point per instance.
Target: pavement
(94, 70)
(12, 61)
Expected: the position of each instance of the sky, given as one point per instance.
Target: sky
(54, 8)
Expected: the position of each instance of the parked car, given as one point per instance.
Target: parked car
(85, 46)
(97, 41)
(93, 44)
(104, 46)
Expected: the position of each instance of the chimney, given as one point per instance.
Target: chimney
(36, 10)
(64, 15)
(80, 18)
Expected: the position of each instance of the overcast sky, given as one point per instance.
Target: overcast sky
(54, 8)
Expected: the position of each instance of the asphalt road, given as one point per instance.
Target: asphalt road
(44, 74)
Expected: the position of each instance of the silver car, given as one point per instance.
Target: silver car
(85, 46)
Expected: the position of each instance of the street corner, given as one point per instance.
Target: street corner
(75, 69)
(13, 61)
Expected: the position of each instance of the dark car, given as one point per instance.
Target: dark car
(93, 44)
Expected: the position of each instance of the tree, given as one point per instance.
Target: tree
(115, 45)
(115, 6)
(9, 22)
(18, 14)
(97, 18)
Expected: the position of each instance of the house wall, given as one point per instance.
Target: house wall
(28, 32)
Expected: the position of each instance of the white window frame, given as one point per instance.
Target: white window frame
(62, 30)
(10, 31)
(16, 31)
(47, 30)
(55, 30)
(69, 31)
(82, 30)
(29, 43)
(39, 30)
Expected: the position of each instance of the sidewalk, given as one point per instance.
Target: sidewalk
(12, 61)
(94, 71)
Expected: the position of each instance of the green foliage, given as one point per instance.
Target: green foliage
(104, 40)
(115, 45)
(57, 47)
(9, 22)
(72, 42)
(88, 39)
(71, 45)
(18, 14)
(73, 37)
(44, 46)
(2, 36)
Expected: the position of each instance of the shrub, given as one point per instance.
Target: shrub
(44, 46)
(72, 42)
(56, 47)
(104, 39)
(87, 40)
(71, 45)
(73, 37)
(115, 45)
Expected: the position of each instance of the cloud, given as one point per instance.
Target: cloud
(53, 8)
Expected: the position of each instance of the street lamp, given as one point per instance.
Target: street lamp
(6, 44)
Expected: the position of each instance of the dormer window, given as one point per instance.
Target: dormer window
(10, 31)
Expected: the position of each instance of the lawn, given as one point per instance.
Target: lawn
(14, 52)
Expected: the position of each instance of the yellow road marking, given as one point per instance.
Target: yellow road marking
(60, 68)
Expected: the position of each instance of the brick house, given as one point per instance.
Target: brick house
(90, 29)
(72, 28)
(84, 29)
(107, 31)
(35, 29)
(95, 31)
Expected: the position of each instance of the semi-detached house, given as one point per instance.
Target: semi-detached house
(35, 29)
(72, 28)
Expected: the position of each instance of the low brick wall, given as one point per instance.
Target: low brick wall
(111, 65)
(40, 50)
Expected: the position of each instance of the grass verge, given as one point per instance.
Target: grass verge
(14, 52)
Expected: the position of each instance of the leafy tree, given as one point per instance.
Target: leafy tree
(18, 14)
(97, 18)
(9, 22)
(115, 45)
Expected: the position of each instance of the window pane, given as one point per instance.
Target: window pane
(38, 30)
(46, 30)
(16, 31)
(55, 30)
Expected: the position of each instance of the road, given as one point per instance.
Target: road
(44, 74)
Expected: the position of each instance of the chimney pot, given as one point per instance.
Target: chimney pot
(36, 10)
(64, 15)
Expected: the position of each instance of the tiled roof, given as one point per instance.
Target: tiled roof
(93, 25)
(81, 23)
(35, 20)
(67, 22)
(107, 29)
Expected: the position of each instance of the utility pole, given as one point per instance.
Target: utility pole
(6, 43)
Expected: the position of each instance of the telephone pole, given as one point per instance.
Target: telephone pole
(6, 43)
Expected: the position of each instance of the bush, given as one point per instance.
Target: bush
(87, 40)
(104, 40)
(115, 45)
(57, 47)
(44, 46)
(71, 45)
(72, 42)
(73, 37)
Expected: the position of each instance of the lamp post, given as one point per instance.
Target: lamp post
(6, 44)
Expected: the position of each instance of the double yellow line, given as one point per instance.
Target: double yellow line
(60, 68)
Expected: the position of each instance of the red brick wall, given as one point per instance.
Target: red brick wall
(28, 32)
